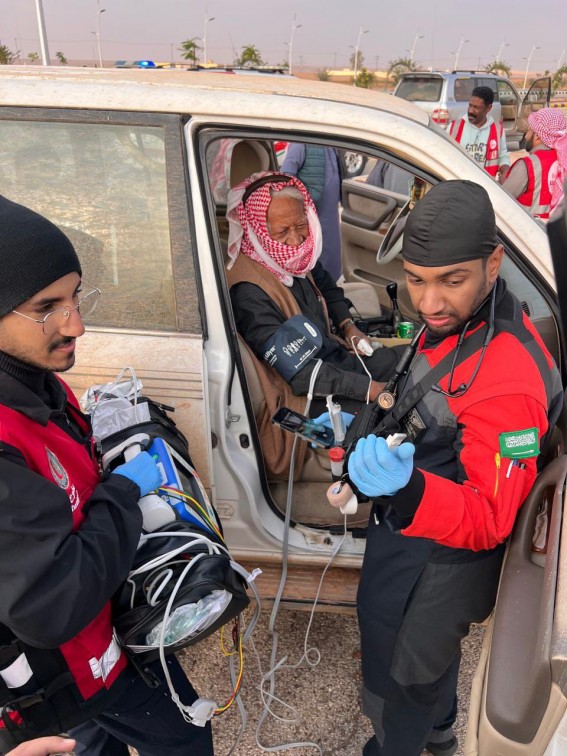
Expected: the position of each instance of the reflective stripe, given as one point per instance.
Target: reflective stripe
(18, 673)
(103, 667)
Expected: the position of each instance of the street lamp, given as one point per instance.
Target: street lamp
(415, 40)
(560, 61)
(499, 53)
(457, 54)
(294, 26)
(534, 48)
(361, 31)
(99, 11)
(207, 19)
(42, 34)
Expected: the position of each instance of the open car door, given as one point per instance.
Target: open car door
(538, 97)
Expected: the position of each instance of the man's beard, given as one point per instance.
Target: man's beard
(460, 322)
(529, 144)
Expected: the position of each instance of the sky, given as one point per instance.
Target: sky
(326, 33)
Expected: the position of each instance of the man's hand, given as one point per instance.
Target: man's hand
(44, 747)
(377, 470)
(375, 389)
(353, 335)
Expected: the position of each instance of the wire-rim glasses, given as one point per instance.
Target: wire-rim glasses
(88, 300)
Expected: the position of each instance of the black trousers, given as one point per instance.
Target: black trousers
(147, 719)
(416, 601)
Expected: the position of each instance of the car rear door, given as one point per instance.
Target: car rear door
(519, 695)
(115, 183)
(537, 97)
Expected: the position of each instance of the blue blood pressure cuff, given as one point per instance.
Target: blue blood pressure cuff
(294, 343)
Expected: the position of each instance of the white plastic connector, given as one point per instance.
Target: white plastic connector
(365, 347)
(202, 711)
(395, 439)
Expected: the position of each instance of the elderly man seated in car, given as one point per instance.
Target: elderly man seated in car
(287, 308)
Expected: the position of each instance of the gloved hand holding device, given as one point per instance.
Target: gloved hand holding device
(141, 470)
(325, 419)
(377, 470)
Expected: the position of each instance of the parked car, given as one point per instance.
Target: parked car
(136, 171)
(445, 97)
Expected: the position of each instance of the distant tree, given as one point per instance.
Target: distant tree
(401, 66)
(61, 58)
(33, 57)
(250, 56)
(359, 61)
(190, 50)
(7, 57)
(365, 78)
(498, 67)
(557, 79)
(323, 74)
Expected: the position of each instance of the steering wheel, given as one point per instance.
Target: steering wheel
(392, 242)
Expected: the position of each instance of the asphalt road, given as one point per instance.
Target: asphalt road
(325, 696)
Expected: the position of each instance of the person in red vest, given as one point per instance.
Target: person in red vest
(68, 535)
(481, 136)
(536, 180)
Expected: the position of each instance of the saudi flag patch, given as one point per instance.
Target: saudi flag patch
(519, 444)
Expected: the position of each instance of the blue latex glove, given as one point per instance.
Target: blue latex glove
(377, 470)
(325, 419)
(143, 471)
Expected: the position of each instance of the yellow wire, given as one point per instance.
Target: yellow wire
(183, 495)
(231, 700)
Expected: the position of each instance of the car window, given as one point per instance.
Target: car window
(463, 89)
(491, 84)
(105, 187)
(505, 92)
(420, 88)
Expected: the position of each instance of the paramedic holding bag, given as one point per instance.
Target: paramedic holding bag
(67, 537)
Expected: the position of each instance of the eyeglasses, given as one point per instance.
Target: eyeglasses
(54, 320)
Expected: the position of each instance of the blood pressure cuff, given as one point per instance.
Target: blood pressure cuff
(294, 343)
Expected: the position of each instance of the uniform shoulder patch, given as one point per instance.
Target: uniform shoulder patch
(519, 444)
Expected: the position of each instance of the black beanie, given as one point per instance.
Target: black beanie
(453, 223)
(33, 254)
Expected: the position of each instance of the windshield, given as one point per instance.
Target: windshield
(420, 89)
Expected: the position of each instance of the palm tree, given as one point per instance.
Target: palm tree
(498, 67)
(7, 57)
(401, 66)
(190, 50)
(250, 56)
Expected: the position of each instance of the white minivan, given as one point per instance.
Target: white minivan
(134, 166)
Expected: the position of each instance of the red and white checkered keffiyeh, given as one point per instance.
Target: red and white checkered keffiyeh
(249, 235)
(551, 127)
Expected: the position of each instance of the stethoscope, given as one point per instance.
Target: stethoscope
(464, 387)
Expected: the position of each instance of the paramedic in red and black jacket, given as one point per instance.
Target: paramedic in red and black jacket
(441, 516)
(67, 537)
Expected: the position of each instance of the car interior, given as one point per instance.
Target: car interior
(373, 209)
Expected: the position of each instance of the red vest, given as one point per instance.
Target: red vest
(93, 657)
(538, 194)
(492, 158)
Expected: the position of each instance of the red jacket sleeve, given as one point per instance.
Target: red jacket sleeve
(478, 511)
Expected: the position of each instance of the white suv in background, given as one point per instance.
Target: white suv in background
(445, 97)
